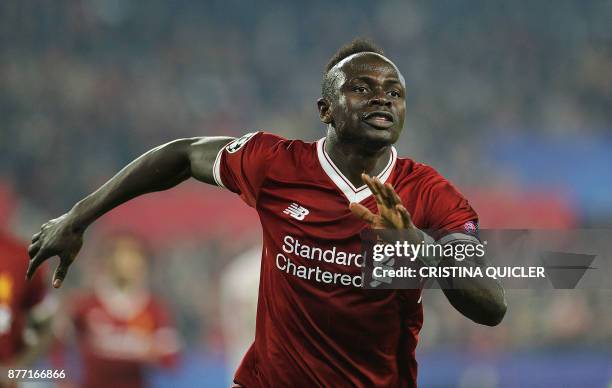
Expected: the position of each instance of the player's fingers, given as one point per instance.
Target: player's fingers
(383, 192)
(60, 274)
(33, 248)
(61, 271)
(376, 184)
(391, 218)
(35, 237)
(34, 263)
(362, 212)
(406, 218)
(391, 195)
(370, 183)
(396, 198)
(380, 195)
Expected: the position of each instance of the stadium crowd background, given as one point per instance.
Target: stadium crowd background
(511, 101)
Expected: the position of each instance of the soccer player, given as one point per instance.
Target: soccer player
(316, 325)
(120, 327)
(24, 308)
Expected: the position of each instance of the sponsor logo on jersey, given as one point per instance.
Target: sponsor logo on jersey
(238, 143)
(296, 211)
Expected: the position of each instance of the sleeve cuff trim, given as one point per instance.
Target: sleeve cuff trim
(217, 169)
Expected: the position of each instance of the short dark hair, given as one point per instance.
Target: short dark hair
(107, 242)
(357, 45)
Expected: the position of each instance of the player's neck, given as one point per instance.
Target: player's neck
(352, 160)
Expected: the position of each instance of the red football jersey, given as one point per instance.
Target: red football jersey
(119, 334)
(18, 297)
(315, 325)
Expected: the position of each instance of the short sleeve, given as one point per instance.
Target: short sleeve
(241, 166)
(452, 217)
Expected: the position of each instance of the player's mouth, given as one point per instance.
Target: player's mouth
(379, 119)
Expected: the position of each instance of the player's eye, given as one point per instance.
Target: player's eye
(360, 89)
(394, 93)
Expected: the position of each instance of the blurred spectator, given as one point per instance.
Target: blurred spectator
(120, 327)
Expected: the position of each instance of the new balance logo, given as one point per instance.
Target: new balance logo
(296, 211)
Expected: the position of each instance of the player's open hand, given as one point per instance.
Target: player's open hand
(391, 212)
(57, 237)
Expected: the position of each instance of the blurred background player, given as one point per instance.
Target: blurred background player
(25, 309)
(119, 326)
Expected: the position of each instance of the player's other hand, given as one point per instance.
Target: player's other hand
(57, 237)
(391, 212)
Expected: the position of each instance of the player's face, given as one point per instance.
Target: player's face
(370, 106)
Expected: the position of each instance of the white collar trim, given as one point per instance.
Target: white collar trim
(352, 193)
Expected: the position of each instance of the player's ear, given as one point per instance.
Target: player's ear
(324, 110)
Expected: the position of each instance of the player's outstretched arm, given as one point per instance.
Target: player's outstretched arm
(159, 169)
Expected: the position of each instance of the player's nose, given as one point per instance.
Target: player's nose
(380, 99)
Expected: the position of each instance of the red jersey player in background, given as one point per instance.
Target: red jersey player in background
(316, 325)
(120, 327)
(25, 309)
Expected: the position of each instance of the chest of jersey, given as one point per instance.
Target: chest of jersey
(311, 236)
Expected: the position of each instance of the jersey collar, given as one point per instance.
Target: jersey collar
(352, 193)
